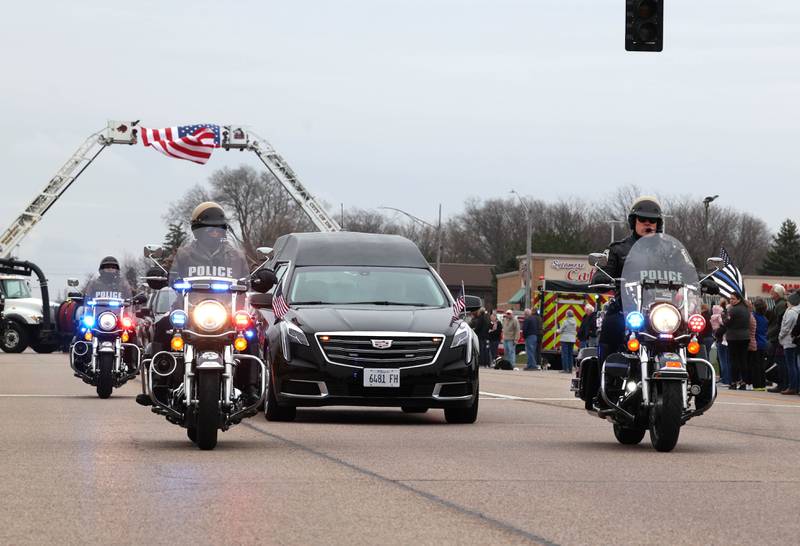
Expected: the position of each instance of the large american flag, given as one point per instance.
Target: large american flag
(729, 278)
(190, 142)
(279, 305)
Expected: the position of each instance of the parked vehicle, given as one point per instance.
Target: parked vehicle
(362, 319)
(29, 321)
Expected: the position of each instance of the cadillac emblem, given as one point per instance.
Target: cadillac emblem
(381, 343)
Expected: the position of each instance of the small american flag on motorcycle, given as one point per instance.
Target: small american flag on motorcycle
(279, 305)
(191, 142)
(460, 304)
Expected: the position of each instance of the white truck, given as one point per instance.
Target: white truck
(24, 322)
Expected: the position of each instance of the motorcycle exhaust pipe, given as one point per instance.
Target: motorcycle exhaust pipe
(163, 364)
(81, 348)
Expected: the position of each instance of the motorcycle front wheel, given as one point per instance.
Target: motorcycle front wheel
(105, 375)
(665, 417)
(208, 385)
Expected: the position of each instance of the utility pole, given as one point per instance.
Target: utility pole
(528, 251)
(428, 224)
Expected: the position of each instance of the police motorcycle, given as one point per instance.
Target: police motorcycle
(212, 340)
(102, 353)
(659, 381)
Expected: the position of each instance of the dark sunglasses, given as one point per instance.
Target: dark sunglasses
(644, 220)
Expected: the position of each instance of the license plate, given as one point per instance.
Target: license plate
(381, 377)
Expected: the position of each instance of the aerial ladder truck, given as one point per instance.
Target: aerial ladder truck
(29, 321)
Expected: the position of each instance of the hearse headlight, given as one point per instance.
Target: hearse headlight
(294, 334)
(462, 335)
(665, 318)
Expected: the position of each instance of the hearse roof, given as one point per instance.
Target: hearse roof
(349, 248)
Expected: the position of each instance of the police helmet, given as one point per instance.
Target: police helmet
(208, 214)
(646, 207)
(109, 262)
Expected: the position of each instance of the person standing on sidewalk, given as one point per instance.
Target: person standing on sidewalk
(737, 320)
(568, 334)
(510, 336)
(531, 327)
(722, 345)
(495, 331)
(760, 315)
(789, 347)
(774, 349)
(587, 333)
(480, 324)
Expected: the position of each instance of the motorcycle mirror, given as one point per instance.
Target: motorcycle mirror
(73, 283)
(153, 251)
(598, 259)
(155, 282)
(263, 252)
(472, 303)
(75, 295)
(139, 299)
(263, 280)
(714, 263)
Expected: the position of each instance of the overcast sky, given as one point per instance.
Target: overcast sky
(403, 103)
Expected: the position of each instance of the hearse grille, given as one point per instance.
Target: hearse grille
(379, 351)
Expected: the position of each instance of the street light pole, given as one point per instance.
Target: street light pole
(706, 202)
(428, 224)
(528, 251)
(613, 223)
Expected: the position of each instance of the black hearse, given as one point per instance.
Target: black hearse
(366, 322)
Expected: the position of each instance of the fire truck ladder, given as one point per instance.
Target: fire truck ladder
(63, 179)
(125, 132)
(241, 138)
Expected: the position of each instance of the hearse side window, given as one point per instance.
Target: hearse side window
(378, 285)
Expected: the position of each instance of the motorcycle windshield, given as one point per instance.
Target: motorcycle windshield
(659, 269)
(205, 267)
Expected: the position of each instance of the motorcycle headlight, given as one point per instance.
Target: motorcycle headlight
(210, 315)
(107, 321)
(665, 318)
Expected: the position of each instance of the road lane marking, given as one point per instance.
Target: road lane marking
(460, 508)
(55, 396)
(499, 396)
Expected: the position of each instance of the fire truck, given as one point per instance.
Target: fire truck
(554, 299)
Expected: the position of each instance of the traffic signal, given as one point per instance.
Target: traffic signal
(644, 25)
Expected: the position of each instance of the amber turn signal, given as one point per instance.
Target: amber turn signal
(693, 347)
(87, 336)
(633, 345)
(125, 337)
(177, 343)
(240, 344)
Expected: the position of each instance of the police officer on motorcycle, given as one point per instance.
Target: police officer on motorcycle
(208, 255)
(645, 220)
(109, 283)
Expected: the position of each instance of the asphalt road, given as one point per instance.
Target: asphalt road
(535, 468)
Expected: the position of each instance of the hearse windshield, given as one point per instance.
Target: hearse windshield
(348, 285)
